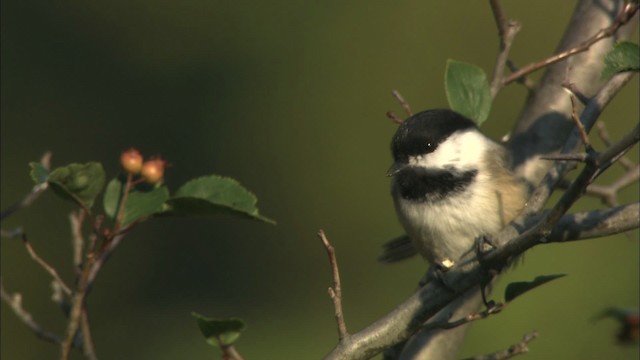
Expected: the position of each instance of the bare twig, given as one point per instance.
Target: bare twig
(15, 303)
(396, 120)
(465, 320)
(625, 15)
(606, 139)
(229, 352)
(581, 157)
(576, 121)
(48, 268)
(34, 194)
(403, 102)
(573, 89)
(524, 80)
(77, 240)
(88, 347)
(336, 291)
(507, 31)
(515, 349)
(77, 309)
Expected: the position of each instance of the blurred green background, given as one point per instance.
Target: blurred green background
(290, 99)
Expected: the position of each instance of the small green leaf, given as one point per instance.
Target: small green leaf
(516, 289)
(143, 200)
(467, 90)
(223, 332)
(38, 172)
(80, 183)
(213, 194)
(625, 56)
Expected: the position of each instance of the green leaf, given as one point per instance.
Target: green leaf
(80, 183)
(625, 56)
(516, 289)
(38, 172)
(467, 90)
(213, 194)
(223, 332)
(143, 200)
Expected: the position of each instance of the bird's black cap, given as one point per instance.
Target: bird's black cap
(424, 131)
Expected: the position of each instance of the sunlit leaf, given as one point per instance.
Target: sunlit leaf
(625, 56)
(213, 194)
(467, 90)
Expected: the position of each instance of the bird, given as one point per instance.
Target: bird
(450, 185)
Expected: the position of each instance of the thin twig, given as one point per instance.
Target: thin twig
(573, 89)
(394, 118)
(77, 240)
(88, 346)
(15, 303)
(507, 31)
(336, 291)
(524, 80)
(465, 320)
(513, 350)
(403, 102)
(48, 268)
(580, 157)
(606, 139)
(36, 191)
(77, 309)
(576, 121)
(625, 15)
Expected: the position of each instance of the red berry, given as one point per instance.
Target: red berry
(153, 170)
(131, 161)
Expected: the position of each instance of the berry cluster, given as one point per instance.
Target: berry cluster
(151, 171)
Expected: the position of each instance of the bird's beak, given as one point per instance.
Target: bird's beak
(395, 168)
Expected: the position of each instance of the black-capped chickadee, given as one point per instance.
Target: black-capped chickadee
(451, 184)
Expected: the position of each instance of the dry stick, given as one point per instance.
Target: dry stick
(625, 15)
(77, 309)
(15, 303)
(465, 320)
(524, 81)
(604, 136)
(576, 121)
(507, 31)
(88, 347)
(403, 102)
(77, 240)
(336, 291)
(515, 349)
(34, 194)
(48, 268)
